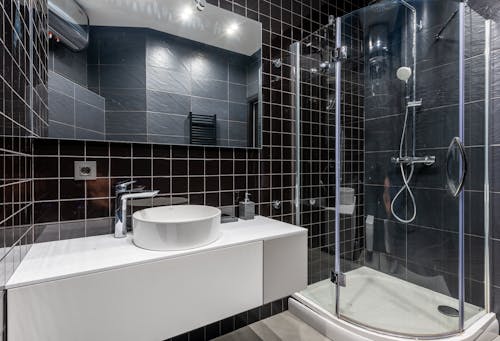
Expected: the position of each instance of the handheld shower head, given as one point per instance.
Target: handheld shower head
(404, 73)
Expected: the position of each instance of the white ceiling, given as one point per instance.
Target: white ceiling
(208, 26)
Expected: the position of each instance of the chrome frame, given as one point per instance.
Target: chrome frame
(461, 198)
(338, 136)
(487, 269)
(295, 50)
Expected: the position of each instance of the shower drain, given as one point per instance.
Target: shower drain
(447, 310)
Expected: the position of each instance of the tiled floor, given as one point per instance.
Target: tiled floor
(284, 326)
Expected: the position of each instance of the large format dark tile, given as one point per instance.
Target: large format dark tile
(124, 99)
(237, 74)
(133, 122)
(210, 64)
(60, 84)
(444, 91)
(436, 127)
(59, 130)
(474, 75)
(89, 117)
(162, 79)
(164, 102)
(122, 76)
(238, 93)
(238, 130)
(205, 106)
(71, 65)
(495, 252)
(169, 52)
(89, 97)
(475, 168)
(168, 124)
(495, 215)
(383, 134)
(121, 46)
(238, 112)
(436, 209)
(85, 134)
(208, 88)
(61, 108)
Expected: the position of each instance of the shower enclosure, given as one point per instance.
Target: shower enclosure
(392, 167)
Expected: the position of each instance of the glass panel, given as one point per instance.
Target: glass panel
(316, 159)
(477, 64)
(401, 107)
(406, 280)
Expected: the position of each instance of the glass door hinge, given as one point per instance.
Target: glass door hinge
(338, 278)
(339, 53)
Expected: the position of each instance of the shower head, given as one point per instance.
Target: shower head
(404, 73)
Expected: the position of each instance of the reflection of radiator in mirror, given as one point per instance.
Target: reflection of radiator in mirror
(202, 129)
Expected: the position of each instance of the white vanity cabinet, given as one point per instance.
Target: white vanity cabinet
(151, 295)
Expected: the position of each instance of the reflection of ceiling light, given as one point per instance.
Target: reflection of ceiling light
(232, 29)
(186, 13)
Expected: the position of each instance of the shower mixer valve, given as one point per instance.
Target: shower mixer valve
(414, 104)
(427, 160)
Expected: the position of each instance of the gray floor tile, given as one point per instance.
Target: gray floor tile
(281, 327)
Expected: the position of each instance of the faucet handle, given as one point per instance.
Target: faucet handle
(124, 184)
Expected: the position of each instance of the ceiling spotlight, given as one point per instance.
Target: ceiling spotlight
(186, 13)
(232, 29)
(200, 4)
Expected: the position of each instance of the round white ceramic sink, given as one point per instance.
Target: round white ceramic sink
(177, 227)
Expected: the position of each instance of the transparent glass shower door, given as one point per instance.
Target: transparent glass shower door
(408, 59)
(386, 131)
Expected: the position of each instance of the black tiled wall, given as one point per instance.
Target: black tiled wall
(215, 176)
(23, 113)
(218, 176)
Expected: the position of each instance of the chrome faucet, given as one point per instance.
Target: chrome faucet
(122, 195)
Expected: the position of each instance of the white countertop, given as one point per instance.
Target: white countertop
(73, 257)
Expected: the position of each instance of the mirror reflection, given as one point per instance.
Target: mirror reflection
(166, 72)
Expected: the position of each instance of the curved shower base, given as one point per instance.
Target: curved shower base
(390, 304)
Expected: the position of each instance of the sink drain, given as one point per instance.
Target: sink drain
(448, 311)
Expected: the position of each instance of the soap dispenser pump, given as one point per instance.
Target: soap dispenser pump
(247, 208)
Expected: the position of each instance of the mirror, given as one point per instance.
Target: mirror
(178, 72)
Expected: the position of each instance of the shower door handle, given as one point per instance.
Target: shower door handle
(451, 158)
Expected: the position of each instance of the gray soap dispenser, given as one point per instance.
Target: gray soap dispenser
(247, 208)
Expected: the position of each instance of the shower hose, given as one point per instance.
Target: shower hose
(406, 180)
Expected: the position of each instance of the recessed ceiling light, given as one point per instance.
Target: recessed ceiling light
(232, 29)
(186, 13)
